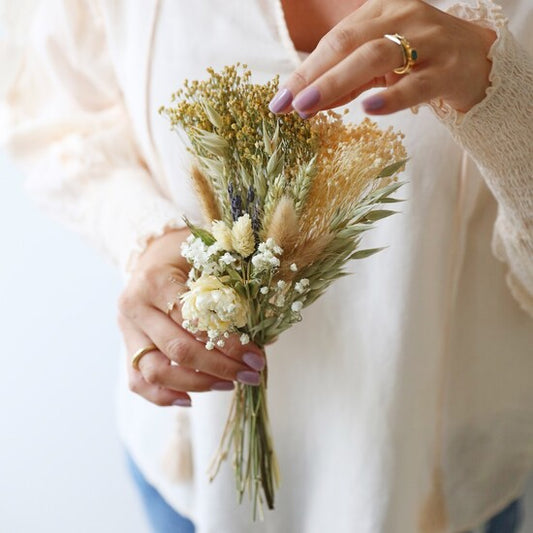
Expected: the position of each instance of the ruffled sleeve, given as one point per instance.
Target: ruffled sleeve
(498, 134)
(64, 121)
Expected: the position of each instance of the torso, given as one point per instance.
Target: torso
(309, 20)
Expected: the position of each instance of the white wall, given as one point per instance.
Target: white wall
(61, 465)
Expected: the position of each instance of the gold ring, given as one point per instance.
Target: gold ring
(140, 353)
(410, 55)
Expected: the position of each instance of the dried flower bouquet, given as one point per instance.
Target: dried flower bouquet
(286, 203)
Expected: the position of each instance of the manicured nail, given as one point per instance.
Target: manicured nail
(182, 402)
(306, 100)
(373, 103)
(247, 377)
(280, 101)
(223, 385)
(305, 115)
(254, 361)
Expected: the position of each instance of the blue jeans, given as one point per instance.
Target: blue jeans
(164, 519)
(508, 520)
(161, 516)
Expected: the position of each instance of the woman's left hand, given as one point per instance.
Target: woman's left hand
(354, 56)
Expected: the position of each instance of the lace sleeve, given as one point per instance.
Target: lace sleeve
(64, 122)
(498, 134)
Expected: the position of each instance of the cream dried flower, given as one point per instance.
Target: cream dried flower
(213, 306)
(222, 234)
(242, 235)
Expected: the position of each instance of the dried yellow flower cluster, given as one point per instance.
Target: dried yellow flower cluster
(349, 158)
(229, 104)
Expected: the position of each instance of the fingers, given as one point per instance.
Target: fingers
(142, 382)
(376, 82)
(144, 309)
(158, 380)
(370, 61)
(448, 57)
(335, 46)
(168, 302)
(355, 56)
(407, 92)
(181, 347)
(135, 339)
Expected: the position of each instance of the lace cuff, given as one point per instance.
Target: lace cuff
(488, 15)
(498, 134)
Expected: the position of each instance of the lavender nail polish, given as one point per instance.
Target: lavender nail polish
(223, 385)
(182, 402)
(280, 101)
(254, 361)
(305, 115)
(247, 377)
(306, 100)
(373, 103)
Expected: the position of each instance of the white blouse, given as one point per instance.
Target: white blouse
(404, 401)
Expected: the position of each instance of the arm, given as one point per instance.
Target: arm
(67, 126)
(498, 134)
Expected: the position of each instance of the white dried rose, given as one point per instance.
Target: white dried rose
(212, 306)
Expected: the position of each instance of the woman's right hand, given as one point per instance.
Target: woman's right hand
(159, 278)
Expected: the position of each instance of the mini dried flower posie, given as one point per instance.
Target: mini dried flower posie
(286, 202)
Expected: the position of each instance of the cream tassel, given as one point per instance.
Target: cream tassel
(177, 459)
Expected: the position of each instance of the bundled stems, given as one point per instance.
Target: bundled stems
(248, 434)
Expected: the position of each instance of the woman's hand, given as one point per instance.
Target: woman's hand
(354, 56)
(144, 319)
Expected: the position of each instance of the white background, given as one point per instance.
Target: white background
(62, 468)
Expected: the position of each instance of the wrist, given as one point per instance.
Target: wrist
(163, 249)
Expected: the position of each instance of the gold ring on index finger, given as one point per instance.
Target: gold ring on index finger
(139, 354)
(410, 55)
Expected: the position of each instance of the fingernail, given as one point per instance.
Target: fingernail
(223, 385)
(254, 361)
(280, 101)
(305, 115)
(373, 103)
(306, 100)
(182, 402)
(247, 377)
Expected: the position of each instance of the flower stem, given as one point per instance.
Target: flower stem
(248, 434)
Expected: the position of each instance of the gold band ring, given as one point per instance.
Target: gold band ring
(410, 55)
(137, 356)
